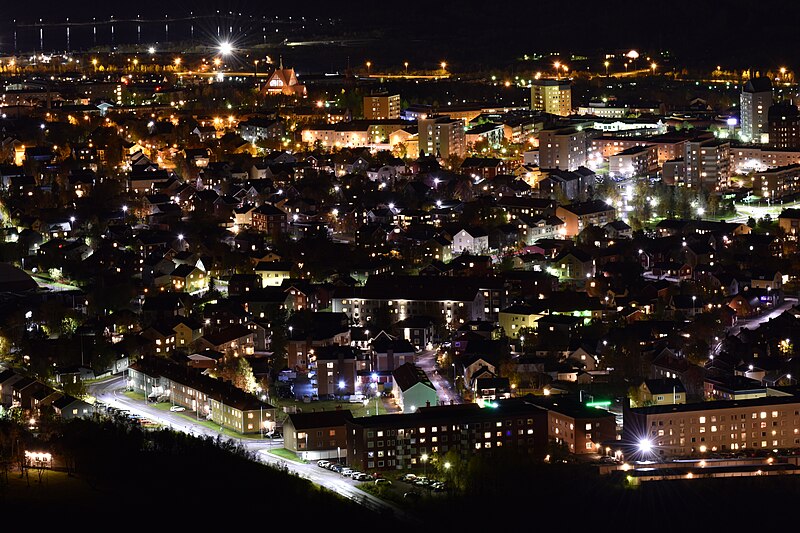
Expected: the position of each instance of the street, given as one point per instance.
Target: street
(426, 360)
(754, 322)
(110, 392)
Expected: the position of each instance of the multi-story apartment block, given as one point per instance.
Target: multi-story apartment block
(563, 148)
(441, 136)
(784, 126)
(317, 435)
(778, 182)
(551, 96)
(683, 430)
(382, 106)
(219, 401)
(403, 442)
(578, 427)
(578, 216)
(707, 164)
(455, 300)
(755, 101)
(745, 159)
(637, 161)
(337, 368)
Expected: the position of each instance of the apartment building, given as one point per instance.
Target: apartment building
(382, 106)
(441, 136)
(404, 442)
(681, 430)
(563, 148)
(551, 96)
(707, 164)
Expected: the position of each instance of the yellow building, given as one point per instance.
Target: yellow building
(662, 392)
(551, 96)
(516, 317)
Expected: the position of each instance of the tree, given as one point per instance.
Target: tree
(238, 371)
(76, 389)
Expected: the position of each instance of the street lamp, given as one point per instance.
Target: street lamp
(424, 458)
(443, 64)
(406, 65)
(557, 66)
(606, 63)
(694, 298)
(225, 48)
(369, 64)
(653, 68)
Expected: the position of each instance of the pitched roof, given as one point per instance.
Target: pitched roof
(664, 386)
(408, 374)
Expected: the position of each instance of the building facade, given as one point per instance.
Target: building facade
(563, 148)
(382, 106)
(755, 101)
(441, 136)
(551, 96)
(784, 126)
(405, 442)
(686, 430)
(707, 164)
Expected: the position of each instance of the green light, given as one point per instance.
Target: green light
(599, 405)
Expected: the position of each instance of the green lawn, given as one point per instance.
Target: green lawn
(286, 454)
(357, 409)
(192, 417)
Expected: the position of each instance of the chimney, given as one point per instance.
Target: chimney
(427, 403)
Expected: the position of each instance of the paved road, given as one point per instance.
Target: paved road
(426, 360)
(754, 322)
(110, 392)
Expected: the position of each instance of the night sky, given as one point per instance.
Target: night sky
(706, 30)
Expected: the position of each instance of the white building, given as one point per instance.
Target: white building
(755, 100)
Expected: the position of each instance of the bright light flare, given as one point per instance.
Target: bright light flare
(645, 446)
(225, 48)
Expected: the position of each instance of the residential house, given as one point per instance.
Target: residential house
(68, 407)
(237, 339)
(412, 389)
(337, 368)
(664, 391)
(388, 352)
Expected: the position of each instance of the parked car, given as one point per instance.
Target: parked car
(362, 477)
(409, 477)
(411, 495)
(346, 471)
(177, 408)
(382, 481)
(336, 467)
(323, 463)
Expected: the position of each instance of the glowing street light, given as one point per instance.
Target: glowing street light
(406, 65)
(369, 64)
(645, 446)
(443, 64)
(653, 67)
(606, 63)
(177, 61)
(424, 459)
(225, 48)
